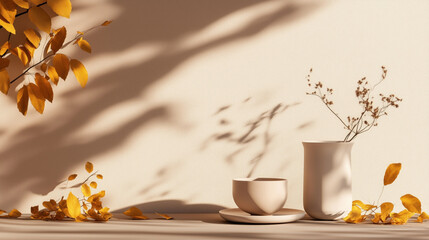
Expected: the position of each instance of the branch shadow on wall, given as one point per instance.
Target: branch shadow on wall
(40, 155)
(254, 129)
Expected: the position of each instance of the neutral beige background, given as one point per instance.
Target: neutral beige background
(174, 83)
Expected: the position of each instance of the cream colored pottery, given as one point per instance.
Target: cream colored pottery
(327, 179)
(282, 216)
(259, 196)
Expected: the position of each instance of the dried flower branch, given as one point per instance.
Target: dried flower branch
(370, 114)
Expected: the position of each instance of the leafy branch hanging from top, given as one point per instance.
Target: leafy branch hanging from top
(52, 64)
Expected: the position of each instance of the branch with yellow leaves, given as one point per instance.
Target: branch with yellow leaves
(53, 65)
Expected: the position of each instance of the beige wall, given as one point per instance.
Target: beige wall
(149, 121)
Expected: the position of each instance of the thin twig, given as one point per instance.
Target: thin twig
(28, 69)
(26, 11)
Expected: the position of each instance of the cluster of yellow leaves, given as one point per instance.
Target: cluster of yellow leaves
(137, 214)
(89, 207)
(54, 65)
(361, 211)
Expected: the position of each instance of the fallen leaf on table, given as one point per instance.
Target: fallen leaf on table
(73, 206)
(135, 213)
(386, 209)
(164, 216)
(377, 218)
(14, 213)
(411, 203)
(354, 215)
(422, 217)
(401, 218)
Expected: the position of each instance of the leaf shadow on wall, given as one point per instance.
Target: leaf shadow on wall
(40, 155)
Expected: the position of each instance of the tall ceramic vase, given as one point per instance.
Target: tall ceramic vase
(327, 179)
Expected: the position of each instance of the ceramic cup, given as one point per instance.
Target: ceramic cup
(259, 196)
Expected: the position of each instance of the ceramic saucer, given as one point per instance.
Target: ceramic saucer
(284, 215)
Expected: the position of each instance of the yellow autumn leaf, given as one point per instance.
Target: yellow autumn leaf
(33, 37)
(97, 196)
(22, 3)
(365, 207)
(73, 206)
(93, 214)
(164, 216)
(8, 26)
(29, 48)
(4, 47)
(89, 167)
(97, 205)
(411, 203)
(105, 23)
(354, 216)
(99, 176)
(40, 18)
(135, 213)
(4, 81)
(58, 39)
(59, 215)
(7, 15)
(14, 213)
(72, 177)
(377, 218)
(79, 71)
(36, 98)
(34, 209)
(22, 53)
(51, 206)
(2, 211)
(386, 209)
(401, 218)
(53, 75)
(422, 217)
(81, 218)
(61, 7)
(80, 33)
(8, 10)
(45, 87)
(86, 190)
(104, 210)
(391, 173)
(44, 67)
(22, 100)
(4, 63)
(93, 184)
(61, 64)
(84, 45)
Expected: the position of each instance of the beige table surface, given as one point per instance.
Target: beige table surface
(203, 226)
